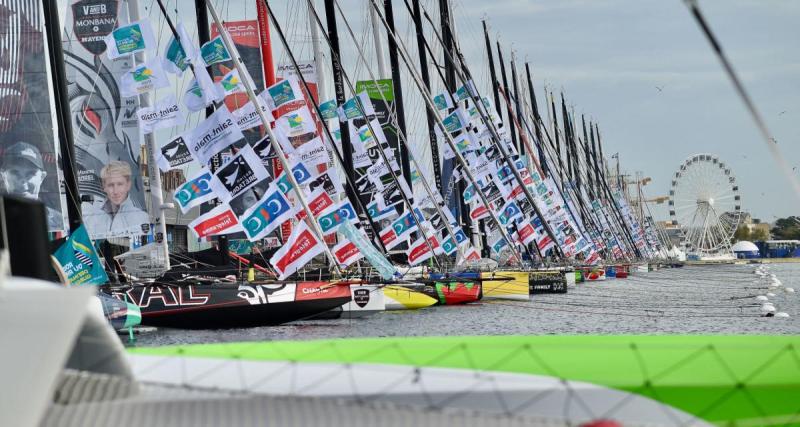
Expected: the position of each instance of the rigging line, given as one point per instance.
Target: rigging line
(772, 144)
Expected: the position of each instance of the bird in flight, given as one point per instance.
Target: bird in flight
(782, 113)
(660, 88)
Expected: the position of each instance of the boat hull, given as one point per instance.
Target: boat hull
(548, 282)
(458, 289)
(402, 298)
(232, 305)
(507, 285)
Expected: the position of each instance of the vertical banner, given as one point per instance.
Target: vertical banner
(28, 133)
(382, 97)
(106, 129)
(246, 38)
(266, 43)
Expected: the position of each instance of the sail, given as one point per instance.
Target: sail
(28, 133)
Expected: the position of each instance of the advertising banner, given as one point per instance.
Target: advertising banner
(28, 133)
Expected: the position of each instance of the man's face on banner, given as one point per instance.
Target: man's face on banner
(23, 179)
(11, 59)
(116, 188)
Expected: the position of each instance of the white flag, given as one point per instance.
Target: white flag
(284, 92)
(247, 116)
(212, 135)
(143, 78)
(295, 128)
(300, 248)
(173, 154)
(241, 173)
(219, 220)
(312, 154)
(202, 91)
(134, 37)
(231, 83)
(166, 113)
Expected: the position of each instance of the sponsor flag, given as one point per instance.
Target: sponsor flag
(166, 113)
(173, 154)
(143, 78)
(479, 211)
(79, 261)
(526, 234)
(194, 191)
(295, 128)
(202, 91)
(346, 253)
(284, 92)
(377, 214)
(420, 251)
(389, 237)
(301, 174)
(443, 101)
(301, 247)
(331, 221)
(247, 116)
(454, 122)
(499, 245)
(472, 254)
(318, 202)
(230, 83)
(175, 59)
(212, 135)
(404, 226)
(448, 246)
(267, 215)
(352, 110)
(188, 45)
(313, 154)
(328, 110)
(214, 52)
(510, 212)
(241, 173)
(134, 37)
(465, 92)
(220, 220)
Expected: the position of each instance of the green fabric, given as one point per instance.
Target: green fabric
(718, 378)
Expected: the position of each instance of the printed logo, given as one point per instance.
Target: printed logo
(93, 20)
(361, 297)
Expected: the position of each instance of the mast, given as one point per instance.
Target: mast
(426, 80)
(398, 91)
(520, 145)
(322, 87)
(492, 73)
(338, 85)
(376, 37)
(64, 125)
(537, 123)
(156, 198)
(511, 129)
(558, 140)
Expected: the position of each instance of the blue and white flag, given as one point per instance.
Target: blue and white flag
(266, 215)
(194, 191)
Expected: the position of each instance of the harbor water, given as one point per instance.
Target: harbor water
(717, 299)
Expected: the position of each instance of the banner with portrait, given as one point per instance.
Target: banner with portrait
(105, 124)
(28, 132)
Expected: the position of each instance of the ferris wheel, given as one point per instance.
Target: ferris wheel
(704, 201)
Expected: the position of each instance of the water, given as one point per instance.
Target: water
(691, 300)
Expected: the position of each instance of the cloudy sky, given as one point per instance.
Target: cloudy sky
(611, 55)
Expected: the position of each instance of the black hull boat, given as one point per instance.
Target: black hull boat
(234, 305)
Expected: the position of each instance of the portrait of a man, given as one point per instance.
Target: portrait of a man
(117, 216)
(22, 173)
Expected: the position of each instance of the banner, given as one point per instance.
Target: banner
(247, 117)
(134, 37)
(79, 261)
(173, 154)
(220, 220)
(214, 51)
(212, 135)
(420, 251)
(166, 113)
(28, 129)
(385, 268)
(301, 247)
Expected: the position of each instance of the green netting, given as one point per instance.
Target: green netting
(733, 380)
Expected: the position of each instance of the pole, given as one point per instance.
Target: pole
(376, 37)
(537, 120)
(398, 92)
(520, 145)
(62, 110)
(426, 80)
(511, 129)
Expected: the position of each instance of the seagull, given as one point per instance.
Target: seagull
(782, 113)
(660, 89)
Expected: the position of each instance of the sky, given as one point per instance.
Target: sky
(640, 68)
(609, 56)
